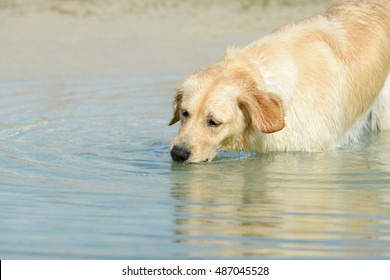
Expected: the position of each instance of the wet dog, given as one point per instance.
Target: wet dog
(311, 86)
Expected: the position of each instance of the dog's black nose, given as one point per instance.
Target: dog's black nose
(180, 154)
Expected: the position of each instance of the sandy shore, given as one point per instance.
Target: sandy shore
(97, 38)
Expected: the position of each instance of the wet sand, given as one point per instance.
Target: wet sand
(69, 39)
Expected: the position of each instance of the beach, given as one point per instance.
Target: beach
(75, 39)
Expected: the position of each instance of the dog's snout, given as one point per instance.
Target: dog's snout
(180, 154)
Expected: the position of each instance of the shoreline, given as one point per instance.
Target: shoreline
(177, 40)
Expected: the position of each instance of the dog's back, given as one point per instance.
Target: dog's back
(329, 70)
(370, 27)
(367, 24)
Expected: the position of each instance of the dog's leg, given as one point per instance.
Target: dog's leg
(381, 109)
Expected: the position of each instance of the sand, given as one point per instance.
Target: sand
(93, 39)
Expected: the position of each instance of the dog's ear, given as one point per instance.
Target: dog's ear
(265, 110)
(176, 108)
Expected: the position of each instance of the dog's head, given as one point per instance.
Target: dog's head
(219, 108)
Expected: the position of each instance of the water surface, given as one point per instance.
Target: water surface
(85, 173)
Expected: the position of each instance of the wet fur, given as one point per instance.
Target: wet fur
(311, 86)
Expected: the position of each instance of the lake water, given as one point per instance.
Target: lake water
(85, 173)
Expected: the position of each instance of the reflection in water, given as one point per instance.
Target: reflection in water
(288, 204)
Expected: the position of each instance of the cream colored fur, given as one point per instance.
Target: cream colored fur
(310, 86)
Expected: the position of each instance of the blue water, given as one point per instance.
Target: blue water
(85, 173)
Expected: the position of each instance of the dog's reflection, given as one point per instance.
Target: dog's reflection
(282, 204)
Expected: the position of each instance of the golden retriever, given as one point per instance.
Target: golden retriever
(311, 86)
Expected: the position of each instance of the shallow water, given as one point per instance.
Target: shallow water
(85, 173)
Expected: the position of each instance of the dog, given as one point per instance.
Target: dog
(312, 86)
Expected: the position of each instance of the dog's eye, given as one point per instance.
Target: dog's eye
(213, 123)
(185, 113)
